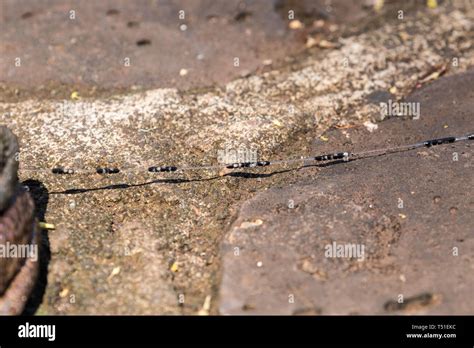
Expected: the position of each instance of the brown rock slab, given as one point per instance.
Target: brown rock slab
(412, 212)
(128, 43)
(123, 43)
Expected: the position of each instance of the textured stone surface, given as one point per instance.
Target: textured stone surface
(91, 49)
(279, 111)
(119, 285)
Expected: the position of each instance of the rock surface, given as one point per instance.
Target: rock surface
(413, 212)
(120, 44)
(159, 234)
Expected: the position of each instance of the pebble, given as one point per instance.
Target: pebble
(295, 24)
(319, 23)
(174, 267)
(327, 44)
(64, 293)
(311, 41)
(370, 126)
(249, 224)
(75, 95)
(115, 271)
(206, 307)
